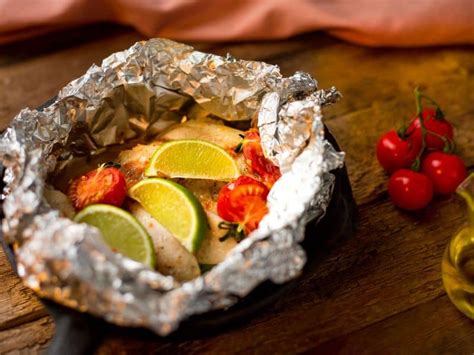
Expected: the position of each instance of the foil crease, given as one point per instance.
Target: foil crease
(135, 94)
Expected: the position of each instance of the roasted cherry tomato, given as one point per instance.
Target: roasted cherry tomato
(102, 185)
(244, 202)
(446, 171)
(395, 152)
(439, 132)
(256, 160)
(410, 190)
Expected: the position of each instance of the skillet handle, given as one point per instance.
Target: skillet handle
(76, 333)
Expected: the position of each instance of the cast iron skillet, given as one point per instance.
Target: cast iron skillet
(80, 333)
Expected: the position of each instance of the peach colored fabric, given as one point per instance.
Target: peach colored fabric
(369, 22)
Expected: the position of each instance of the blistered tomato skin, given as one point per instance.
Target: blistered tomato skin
(439, 131)
(446, 171)
(103, 185)
(256, 160)
(410, 190)
(395, 153)
(243, 201)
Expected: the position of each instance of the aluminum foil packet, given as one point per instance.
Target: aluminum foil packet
(135, 94)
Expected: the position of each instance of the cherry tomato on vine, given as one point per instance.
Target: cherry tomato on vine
(102, 185)
(256, 160)
(439, 132)
(395, 152)
(446, 171)
(243, 201)
(410, 190)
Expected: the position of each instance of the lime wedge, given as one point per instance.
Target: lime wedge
(193, 159)
(174, 207)
(121, 231)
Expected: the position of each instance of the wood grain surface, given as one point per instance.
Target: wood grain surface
(380, 292)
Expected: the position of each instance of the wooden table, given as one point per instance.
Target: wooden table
(381, 292)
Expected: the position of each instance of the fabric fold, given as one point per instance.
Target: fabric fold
(368, 22)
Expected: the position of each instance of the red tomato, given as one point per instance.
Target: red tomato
(243, 201)
(256, 160)
(436, 127)
(446, 171)
(394, 152)
(410, 190)
(103, 185)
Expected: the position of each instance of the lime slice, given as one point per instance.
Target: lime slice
(174, 207)
(193, 159)
(121, 231)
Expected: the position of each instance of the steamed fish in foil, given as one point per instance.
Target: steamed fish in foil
(232, 209)
(141, 92)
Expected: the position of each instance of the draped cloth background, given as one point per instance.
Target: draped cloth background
(368, 22)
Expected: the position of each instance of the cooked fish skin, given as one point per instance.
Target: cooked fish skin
(212, 250)
(59, 201)
(224, 136)
(172, 258)
(134, 161)
(206, 191)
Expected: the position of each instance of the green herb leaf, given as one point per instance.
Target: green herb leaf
(234, 230)
(206, 267)
(238, 147)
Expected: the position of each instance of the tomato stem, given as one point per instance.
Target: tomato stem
(448, 143)
(439, 113)
(419, 113)
(402, 131)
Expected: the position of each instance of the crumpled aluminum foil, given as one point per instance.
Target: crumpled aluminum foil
(133, 95)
